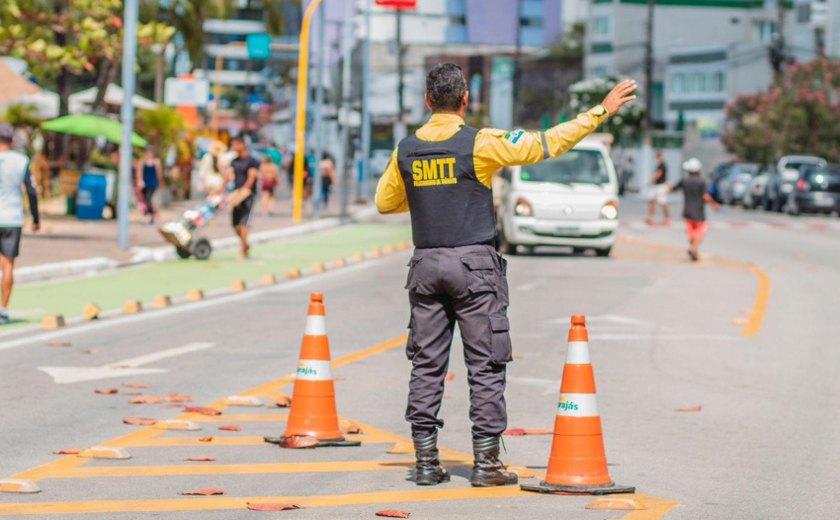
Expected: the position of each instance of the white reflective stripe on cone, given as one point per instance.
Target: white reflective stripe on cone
(316, 326)
(314, 370)
(577, 405)
(578, 353)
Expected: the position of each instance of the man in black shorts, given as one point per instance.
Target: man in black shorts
(14, 173)
(243, 171)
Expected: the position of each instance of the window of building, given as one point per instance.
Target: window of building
(678, 83)
(682, 83)
(700, 82)
(456, 7)
(764, 30)
(601, 26)
(601, 71)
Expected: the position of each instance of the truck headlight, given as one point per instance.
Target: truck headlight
(522, 208)
(609, 211)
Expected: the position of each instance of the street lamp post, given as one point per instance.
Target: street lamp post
(127, 117)
(319, 116)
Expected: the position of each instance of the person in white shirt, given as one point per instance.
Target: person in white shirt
(14, 173)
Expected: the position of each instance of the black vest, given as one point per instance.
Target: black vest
(449, 206)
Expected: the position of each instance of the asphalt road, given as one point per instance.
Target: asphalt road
(749, 335)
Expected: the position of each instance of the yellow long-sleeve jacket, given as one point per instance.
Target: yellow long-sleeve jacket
(493, 150)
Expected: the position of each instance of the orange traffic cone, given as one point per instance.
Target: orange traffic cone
(578, 463)
(313, 411)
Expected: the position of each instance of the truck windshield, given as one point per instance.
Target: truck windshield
(573, 167)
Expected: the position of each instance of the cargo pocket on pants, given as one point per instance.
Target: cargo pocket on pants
(409, 343)
(481, 271)
(501, 350)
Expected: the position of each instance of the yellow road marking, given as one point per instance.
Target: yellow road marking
(230, 503)
(759, 308)
(656, 508)
(234, 469)
(753, 324)
(197, 417)
(240, 440)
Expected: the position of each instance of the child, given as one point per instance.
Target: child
(696, 196)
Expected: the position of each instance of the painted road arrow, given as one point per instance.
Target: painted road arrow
(127, 367)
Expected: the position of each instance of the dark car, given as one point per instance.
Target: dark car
(816, 191)
(780, 185)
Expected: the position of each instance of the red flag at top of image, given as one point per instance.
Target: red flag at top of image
(398, 4)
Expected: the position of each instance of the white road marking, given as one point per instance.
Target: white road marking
(127, 367)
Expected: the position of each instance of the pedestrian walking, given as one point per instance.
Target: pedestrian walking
(149, 174)
(269, 181)
(243, 172)
(659, 191)
(327, 172)
(14, 173)
(696, 195)
(628, 172)
(442, 174)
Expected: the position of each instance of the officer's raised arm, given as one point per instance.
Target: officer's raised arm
(495, 149)
(390, 191)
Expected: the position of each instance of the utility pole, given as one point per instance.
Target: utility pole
(517, 59)
(129, 62)
(649, 69)
(777, 51)
(346, 155)
(319, 116)
(400, 67)
(363, 188)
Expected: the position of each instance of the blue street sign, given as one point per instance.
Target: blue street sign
(259, 46)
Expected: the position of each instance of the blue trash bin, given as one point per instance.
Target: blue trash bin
(90, 197)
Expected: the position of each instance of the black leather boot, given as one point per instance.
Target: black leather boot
(488, 469)
(429, 470)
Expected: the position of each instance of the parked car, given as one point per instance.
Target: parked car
(721, 171)
(781, 183)
(570, 200)
(817, 190)
(757, 187)
(733, 186)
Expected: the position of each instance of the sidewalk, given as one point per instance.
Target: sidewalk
(66, 246)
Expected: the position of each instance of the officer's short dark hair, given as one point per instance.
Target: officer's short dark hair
(445, 87)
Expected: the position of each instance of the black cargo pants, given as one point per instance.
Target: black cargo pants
(468, 285)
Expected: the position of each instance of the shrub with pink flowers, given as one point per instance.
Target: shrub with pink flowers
(799, 114)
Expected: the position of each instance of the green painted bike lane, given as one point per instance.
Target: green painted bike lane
(112, 289)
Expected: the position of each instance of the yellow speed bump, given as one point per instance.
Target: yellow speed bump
(620, 504)
(15, 485)
(177, 424)
(238, 286)
(269, 279)
(340, 262)
(375, 253)
(91, 311)
(53, 322)
(403, 245)
(358, 257)
(133, 307)
(162, 301)
(402, 447)
(195, 295)
(293, 274)
(105, 452)
(243, 400)
(522, 471)
(389, 249)
(318, 267)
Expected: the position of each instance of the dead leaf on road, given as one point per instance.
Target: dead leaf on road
(204, 492)
(174, 406)
(178, 398)
(59, 344)
(450, 377)
(146, 399)
(272, 507)
(283, 401)
(106, 391)
(348, 426)
(517, 356)
(697, 408)
(230, 428)
(205, 439)
(90, 351)
(299, 441)
(202, 410)
(393, 513)
(339, 378)
(200, 459)
(139, 421)
(527, 431)
(66, 452)
(132, 393)
(136, 385)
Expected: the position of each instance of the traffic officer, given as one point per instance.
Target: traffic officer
(442, 174)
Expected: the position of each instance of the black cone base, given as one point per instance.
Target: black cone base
(326, 443)
(605, 489)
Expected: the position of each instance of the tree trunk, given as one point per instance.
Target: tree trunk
(104, 77)
(160, 72)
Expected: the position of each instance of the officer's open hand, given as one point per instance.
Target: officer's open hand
(622, 94)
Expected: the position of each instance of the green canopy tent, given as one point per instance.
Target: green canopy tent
(85, 125)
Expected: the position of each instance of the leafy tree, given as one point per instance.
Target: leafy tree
(800, 113)
(23, 116)
(626, 126)
(163, 127)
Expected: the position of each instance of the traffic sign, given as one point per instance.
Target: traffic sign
(259, 46)
(403, 5)
(186, 92)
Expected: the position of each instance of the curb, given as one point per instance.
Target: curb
(142, 255)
